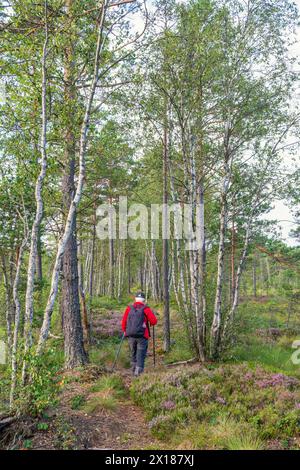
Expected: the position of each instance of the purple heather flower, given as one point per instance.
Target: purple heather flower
(221, 400)
(277, 379)
(249, 376)
(169, 405)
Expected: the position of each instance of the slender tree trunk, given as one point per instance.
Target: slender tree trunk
(165, 241)
(122, 268)
(39, 264)
(146, 276)
(141, 274)
(14, 365)
(119, 270)
(230, 317)
(261, 272)
(182, 301)
(268, 274)
(129, 266)
(232, 260)
(216, 323)
(85, 318)
(35, 231)
(254, 264)
(10, 312)
(71, 317)
(91, 278)
(201, 321)
(111, 268)
(69, 226)
(268, 270)
(157, 274)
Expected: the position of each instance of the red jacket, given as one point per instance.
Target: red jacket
(148, 314)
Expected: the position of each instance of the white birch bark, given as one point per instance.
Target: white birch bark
(230, 317)
(39, 205)
(85, 315)
(9, 315)
(216, 323)
(17, 304)
(119, 263)
(81, 177)
(201, 325)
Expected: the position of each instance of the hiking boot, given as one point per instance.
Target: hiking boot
(138, 371)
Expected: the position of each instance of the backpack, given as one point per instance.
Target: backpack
(135, 322)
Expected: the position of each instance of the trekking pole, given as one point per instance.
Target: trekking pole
(153, 344)
(118, 352)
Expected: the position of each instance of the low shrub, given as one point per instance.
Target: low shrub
(257, 405)
(41, 390)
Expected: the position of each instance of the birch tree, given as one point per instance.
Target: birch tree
(75, 201)
(32, 261)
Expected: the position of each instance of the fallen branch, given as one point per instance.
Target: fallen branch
(180, 363)
(51, 335)
(7, 422)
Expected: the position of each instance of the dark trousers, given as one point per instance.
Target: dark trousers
(138, 349)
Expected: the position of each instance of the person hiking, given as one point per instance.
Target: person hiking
(135, 324)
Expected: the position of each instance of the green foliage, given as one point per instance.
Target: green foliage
(4, 388)
(27, 444)
(100, 402)
(108, 303)
(105, 393)
(254, 342)
(77, 401)
(42, 426)
(181, 349)
(105, 351)
(113, 383)
(42, 388)
(275, 357)
(65, 438)
(222, 433)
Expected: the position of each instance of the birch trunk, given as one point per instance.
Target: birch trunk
(230, 317)
(216, 323)
(201, 325)
(254, 264)
(10, 313)
(77, 197)
(75, 354)
(91, 278)
(129, 266)
(39, 265)
(119, 270)
(85, 318)
(35, 231)
(111, 268)
(165, 242)
(17, 304)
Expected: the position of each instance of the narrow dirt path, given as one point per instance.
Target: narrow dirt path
(122, 428)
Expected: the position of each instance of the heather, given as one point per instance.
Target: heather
(190, 406)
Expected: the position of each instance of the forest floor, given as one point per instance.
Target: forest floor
(105, 426)
(249, 401)
(94, 409)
